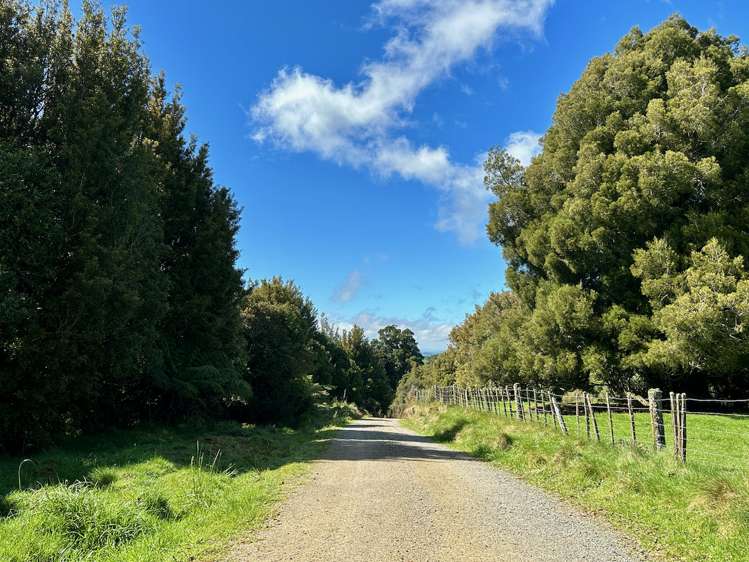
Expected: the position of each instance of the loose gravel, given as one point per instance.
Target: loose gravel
(384, 493)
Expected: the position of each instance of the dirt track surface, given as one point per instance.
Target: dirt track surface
(384, 493)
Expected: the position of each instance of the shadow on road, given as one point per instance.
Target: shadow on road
(385, 440)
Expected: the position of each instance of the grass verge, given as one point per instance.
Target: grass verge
(153, 494)
(676, 512)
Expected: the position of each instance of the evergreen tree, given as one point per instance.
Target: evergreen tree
(202, 326)
(279, 324)
(119, 295)
(398, 352)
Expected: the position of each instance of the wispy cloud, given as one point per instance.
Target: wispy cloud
(349, 288)
(430, 331)
(356, 124)
(524, 145)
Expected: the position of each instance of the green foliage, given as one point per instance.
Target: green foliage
(280, 325)
(119, 295)
(374, 391)
(398, 351)
(625, 238)
(701, 316)
(204, 348)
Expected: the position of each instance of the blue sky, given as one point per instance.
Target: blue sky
(351, 132)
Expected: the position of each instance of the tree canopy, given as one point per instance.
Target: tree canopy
(625, 238)
(120, 296)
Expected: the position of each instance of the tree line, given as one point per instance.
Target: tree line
(120, 296)
(626, 237)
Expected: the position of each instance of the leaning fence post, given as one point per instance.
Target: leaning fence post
(587, 417)
(593, 418)
(558, 413)
(683, 424)
(631, 419)
(656, 417)
(611, 420)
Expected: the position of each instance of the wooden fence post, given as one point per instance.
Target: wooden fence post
(683, 424)
(611, 419)
(502, 397)
(587, 417)
(675, 420)
(551, 410)
(577, 412)
(543, 407)
(558, 413)
(535, 402)
(509, 401)
(518, 401)
(593, 421)
(632, 429)
(656, 418)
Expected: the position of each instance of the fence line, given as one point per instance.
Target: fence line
(610, 419)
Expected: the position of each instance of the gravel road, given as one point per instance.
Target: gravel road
(384, 493)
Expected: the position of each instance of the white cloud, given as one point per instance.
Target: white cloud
(354, 124)
(349, 288)
(431, 333)
(523, 145)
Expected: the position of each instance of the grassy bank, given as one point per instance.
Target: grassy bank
(152, 494)
(691, 512)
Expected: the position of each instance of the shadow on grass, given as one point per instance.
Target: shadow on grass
(449, 434)
(242, 448)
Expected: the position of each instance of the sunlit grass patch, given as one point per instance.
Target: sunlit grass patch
(156, 494)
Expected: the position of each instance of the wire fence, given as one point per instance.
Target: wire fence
(710, 433)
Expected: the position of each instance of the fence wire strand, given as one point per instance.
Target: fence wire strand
(661, 421)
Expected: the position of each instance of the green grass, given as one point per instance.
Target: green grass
(695, 512)
(153, 494)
